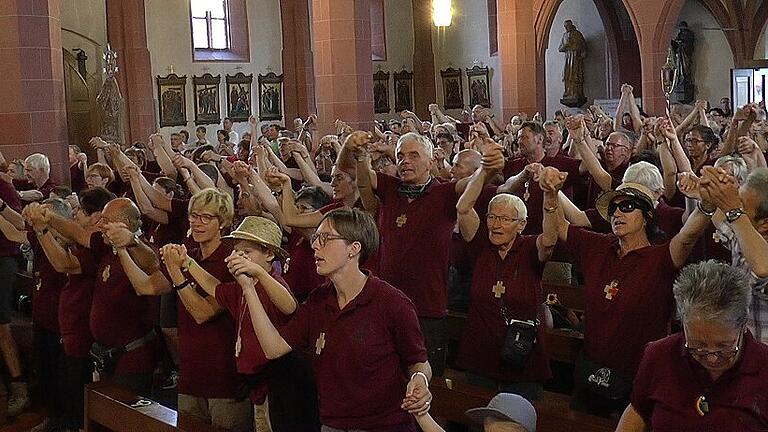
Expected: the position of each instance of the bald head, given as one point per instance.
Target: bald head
(122, 210)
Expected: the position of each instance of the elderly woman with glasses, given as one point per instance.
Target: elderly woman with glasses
(711, 376)
(627, 286)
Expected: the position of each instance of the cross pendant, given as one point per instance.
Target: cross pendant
(611, 289)
(238, 346)
(401, 220)
(499, 289)
(527, 194)
(320, 344)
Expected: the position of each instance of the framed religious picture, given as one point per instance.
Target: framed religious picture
(207, 110)
(172, 100)
(479, 91)
(239, 96)
(381, 92)
(270, 96)
(453, 93)
(403, 91)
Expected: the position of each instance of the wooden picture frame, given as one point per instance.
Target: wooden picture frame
(172, 100)
(453, 92)
(270, 96)
(478, 85)
(381, 92)
(239, 96)
(207, 106)
(403, 91)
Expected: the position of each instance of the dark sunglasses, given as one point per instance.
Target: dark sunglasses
(626, 206)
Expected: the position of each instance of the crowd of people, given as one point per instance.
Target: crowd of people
(292, 281)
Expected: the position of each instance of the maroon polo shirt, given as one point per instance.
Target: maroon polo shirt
(118, 314)
(594, 190)
(75, 306)
(414, 256)
(535, 196)
(45, 298)
(485, 328)
(670, 381)
(9, 195)
(617, 329)
(668, 218)
(77, 178)
(206, 351)
(252, 358)
(301, 271)
(45, 188)
(361, 371)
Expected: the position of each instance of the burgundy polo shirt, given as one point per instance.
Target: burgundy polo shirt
(45, 298)
(77, 178)
(361, 370)
(301, 271)
(206, 351)
(9, 195)
(485, 329)
(118, 314)
(45, 188)
(75, 306)
(670, 381)
(415, 242)
(252, 358)
(594, 190)
(617, 329)
(532, 195)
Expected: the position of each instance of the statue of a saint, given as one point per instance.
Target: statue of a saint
(575, 48)
(682, 46)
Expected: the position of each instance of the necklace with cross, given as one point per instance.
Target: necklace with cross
(320, 343)
(611, 289)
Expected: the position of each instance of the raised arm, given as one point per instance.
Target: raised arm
(271, 341)
(67, 228)
(11, 215)
(151, 284)
(11, 233)
(550, 181)
(572, 213)
(668, 170)
(163, 152)
(201, 308)
(468, 219)
(681, 244)
(688, 122)
(291, 215)
(668, 132)
(577, 128)
(145, 205)
(634, 111)
(368, 197)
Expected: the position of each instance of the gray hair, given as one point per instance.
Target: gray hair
(713, 291)
(757, 182)
(645, 174)
(552, 123)
(512, 201)
(423, 141)
(59, 206)
(736, 165)
(39, 161)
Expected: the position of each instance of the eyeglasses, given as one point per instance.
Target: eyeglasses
(323, 237)
(626, 206)
(504, 220)
(693, 140)
(200, 217)
(728, 354)
(611, 144)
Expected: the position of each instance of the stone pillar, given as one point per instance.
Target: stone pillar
(33, 112)
(343, 67)
(424, 89)
(517, 57)
(299, 76)
(127, 34)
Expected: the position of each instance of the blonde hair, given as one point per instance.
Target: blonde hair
(220, 203)
(102, 170)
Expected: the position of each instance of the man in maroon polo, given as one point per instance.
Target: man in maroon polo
(38, 183)
(416, 220)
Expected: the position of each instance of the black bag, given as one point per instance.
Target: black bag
(600, 380)
(519, 342)
(105, 358)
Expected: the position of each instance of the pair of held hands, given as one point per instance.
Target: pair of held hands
(715, 188)
(175, 256)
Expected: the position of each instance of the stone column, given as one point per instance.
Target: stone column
(127, 34)
(341, 41)
(517, 57)
(33, 112)
(299, 76)
(424, 89)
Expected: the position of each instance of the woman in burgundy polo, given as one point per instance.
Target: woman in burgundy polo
(712, 376)
(627, 288)
(362, 334)
(506, 286)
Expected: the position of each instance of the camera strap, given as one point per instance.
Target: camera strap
(138, 343)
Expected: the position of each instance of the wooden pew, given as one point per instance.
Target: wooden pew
(107, 408)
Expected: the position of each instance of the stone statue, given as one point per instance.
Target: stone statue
(575, 48)
(682, 46)
(110, 101)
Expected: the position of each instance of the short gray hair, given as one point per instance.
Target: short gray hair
(59, 206)
(736, 165)
(713, 291)
(423, 141)
(645, 174)
(512, 201)
(39, 161)
(757, 182)
(552, 123)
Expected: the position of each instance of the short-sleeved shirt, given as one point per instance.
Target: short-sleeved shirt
(360, 354)
(301, 272)
(77, 178)
(670, 381)
(416, 241)
(9, 196)
(618, 324)
(252, 359)
(119, 315)
(485, 328)
(75, 306)
(532, 194)
(45, 298)
(206, 351)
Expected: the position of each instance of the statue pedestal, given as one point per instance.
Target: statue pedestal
(573, 101)
(683, 94)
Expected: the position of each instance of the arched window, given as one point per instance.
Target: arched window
(219, 30)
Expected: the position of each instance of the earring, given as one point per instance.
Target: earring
(350, 255)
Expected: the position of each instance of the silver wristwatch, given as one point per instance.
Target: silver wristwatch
(732, 215)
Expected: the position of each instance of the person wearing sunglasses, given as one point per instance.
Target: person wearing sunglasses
(713, 374)
(627, 285)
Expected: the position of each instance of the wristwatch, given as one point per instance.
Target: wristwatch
(732, 215)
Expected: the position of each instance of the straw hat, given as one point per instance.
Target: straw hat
(507, 407)
(632, 190)
(262, 231)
